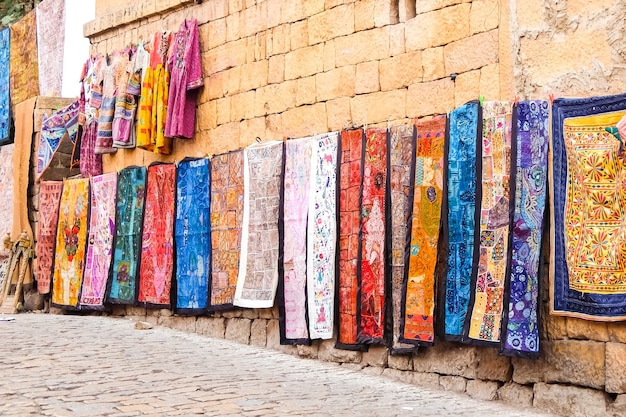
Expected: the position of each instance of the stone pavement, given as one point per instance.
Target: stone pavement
(99, 366)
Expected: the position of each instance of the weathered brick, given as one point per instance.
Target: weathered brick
(225, 56)
(569, 400)
(274, 127)
(364, 15)
(242, 106)
(339, 116)
(484, 16)
(587, 330)
(339, 82)
(213, 33)
(249, 131)
(238, 330)
(223, 110)
(234, 27)
(304, 62)
(482, 390)
(292, 11)
(255, 19)
(207, 115)
(329, 55)
(367, 77)
(362, 46)
(466, 87)
(256, 47)
(396, 40)
(401, 362)
(378, 107)
(438, 28)
(423, 6)
(254, 75)
(490, 82)
(276, 70)
(471, 53)
(434, 97)
(512, 393)
(278, 41)
(453, 383)
(433, 63)
(275, 98)
(299, 35)
(615, 368)
(385, 13)
(305, 93)
(401, 71)
(447, 359)
(305, 121)
(331, 24)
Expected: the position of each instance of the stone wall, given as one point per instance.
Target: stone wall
(278, 69)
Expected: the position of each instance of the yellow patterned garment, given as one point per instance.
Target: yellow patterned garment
(70, 242)
(595, 205)
(162, 144)
(144, 121)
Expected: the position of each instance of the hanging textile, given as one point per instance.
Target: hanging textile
(49, 199)
(401, 157)
(258, 266)
(131, 192)
(521, 326)
(71, 240)
(322, 236)
(157, 244)
(463, 197)
(293, 248)
(487, 291)
(186, 78)
(5, 81)
(350, 179)
(226, 221)
(62, 125)
(193, 235)
(100, 242)
(418, 297)
(90, 95)
(124, 130)
(372, 286)
(50, 46)
(588, 276)
(24, 68)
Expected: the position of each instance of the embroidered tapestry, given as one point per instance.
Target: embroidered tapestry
(226, 221)
(487, 298)
(5, 81)
(61, 125)
(24, 69)
(131, 195)
(71, 240)
(157, 243)
(520, 326)
(49, 198)
(350, 179)
(322, 236)
(463, 216)
(100, 242)
(292, 298)
(258, 267)
(588, 255)
(51, 46)
(418, 298)
(193, 235)
(372, 284)
(401, 157)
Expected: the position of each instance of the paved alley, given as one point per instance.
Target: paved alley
(99, 366)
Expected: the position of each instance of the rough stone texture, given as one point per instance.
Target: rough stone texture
(367, 77)
(258, 333)
(466, 87)
(238, 330)
(453, 383)
(401, 71)
(569, 400)
(397, 375)
(587, 330)
(33, 301)
(490, 82)
(372, 370)
(400, 362)
(304, 62)
(482, 390)
(447, 359)
(379, 107)
(516, 394)
(339, 114)
(567, 361)
(273, 339)
(418, 102)
(615, 368)
(332, 23)
(617, 408)
(309, 352)
(471, 53)
(426, 380)
(376, 356)
(484, 16)
(184, 324)
(362, 46)
(493, 367)
(339, 82)
(211, 326)
(433, 63)
(328, 353)
(438, 27)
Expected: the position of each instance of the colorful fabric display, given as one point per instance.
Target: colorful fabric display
(71, 240)
(5, 82)
(372, 270)
(350, 173)
(100, 242)
(417, 326)
(62, 124)
(157, 243)
(322, 236)
(588, 260)
(49, 199)
(258, 266)
(226, 222)
(520, 328)
(50, 46)
(24, 68)
(463, 217)
(193, 235)
(131, 196)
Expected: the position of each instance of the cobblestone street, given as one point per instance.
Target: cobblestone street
(99, 366)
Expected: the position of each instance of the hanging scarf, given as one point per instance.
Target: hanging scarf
(49, 199)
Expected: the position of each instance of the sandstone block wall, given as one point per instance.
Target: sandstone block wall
(276, 69)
